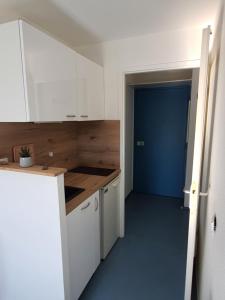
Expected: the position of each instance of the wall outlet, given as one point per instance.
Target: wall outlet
(50, 153)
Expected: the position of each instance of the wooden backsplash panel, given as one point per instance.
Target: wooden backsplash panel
(99, 143)
(73, 143)
(60, 138)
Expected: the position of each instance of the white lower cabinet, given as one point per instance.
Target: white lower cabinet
(83, 228)
(109, 216)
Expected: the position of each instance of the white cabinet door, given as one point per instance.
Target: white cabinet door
(75, 249)
(50, 76)
(95, 234)
(110, 216)
(12, 100)
(82, 81)
(84, 244)
(96, 100)
(90, 90)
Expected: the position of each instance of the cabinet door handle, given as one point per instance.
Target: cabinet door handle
(70, 116)
(106, 191)
(86, 206)
(115, 183)
(96, 204)
(84, 116)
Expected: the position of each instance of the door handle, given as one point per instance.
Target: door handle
(188, 192)
(70, 116)
(202, 194)
(96, 204)
(86, 206)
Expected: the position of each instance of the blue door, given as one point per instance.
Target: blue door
(160, 122)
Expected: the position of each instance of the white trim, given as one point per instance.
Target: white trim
(122, 93)
(186, 64)
(143, 84)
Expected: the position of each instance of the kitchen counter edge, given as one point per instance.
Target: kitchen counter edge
(98, 183)
(35, 169)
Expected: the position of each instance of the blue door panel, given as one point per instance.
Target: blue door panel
(160, 121)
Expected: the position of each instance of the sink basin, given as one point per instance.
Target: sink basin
(71, 192)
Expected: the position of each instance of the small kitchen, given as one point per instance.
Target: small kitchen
(59, 214)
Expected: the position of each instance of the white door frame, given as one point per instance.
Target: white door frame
(188, 64)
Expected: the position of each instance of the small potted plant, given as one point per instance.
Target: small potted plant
(25, 157)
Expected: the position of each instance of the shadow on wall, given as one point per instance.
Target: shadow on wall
(49, 17)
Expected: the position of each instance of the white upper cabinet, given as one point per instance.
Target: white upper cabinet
(12, 98)
(50, 72)
(90, 90)
(43, 80)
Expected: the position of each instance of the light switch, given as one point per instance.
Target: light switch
(140, 143)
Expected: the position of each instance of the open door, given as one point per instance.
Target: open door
(197, 159)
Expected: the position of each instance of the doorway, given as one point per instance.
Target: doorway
(159, 140)
(150, 261)
(174, 141)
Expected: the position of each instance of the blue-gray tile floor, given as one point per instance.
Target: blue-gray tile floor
(149, 263)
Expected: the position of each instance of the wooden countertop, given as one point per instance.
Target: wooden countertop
(38, 170)
(91, 183)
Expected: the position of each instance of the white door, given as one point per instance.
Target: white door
(197, 159)
(207, 209)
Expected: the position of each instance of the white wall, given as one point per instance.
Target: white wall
(129, 139)
(191, 133)
(140, 53)
(211, 260)
(217, 178)
(168, 50)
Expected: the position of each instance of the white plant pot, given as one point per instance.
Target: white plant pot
(26, 162)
